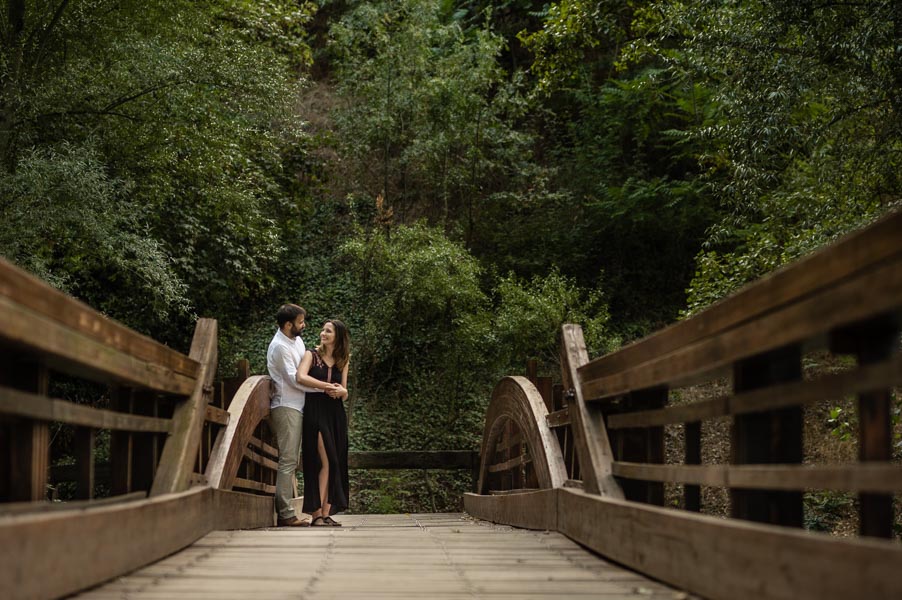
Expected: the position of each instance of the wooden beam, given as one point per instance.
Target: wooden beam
(216, 415)
(771, 437)
(427, 459)
(883, 477)
(866, 378)
(8, 509)
(82, 544)
(180, 450)
(248, 484)
(27, 291)
(727, 559)
(559, 418)
(516, 400)
(35, 406)
(511, 463)
(263, 447)
(249, 406)
(535, 509)
(72, 351)
(84, 460)
(54, 554)
(121, 444)
(854, 254)
(587, 422)
(260, 459)
(692, 455)
(872, 292)
(871, 342)
(29, 447)
(642, 445)
(239, 510)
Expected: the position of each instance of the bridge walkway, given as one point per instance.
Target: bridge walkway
(436, 556)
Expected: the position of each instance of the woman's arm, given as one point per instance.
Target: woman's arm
(303, 375)
(340, 392)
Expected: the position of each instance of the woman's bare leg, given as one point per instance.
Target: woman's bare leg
(323, 477)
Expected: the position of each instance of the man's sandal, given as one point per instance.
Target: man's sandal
(293, 522)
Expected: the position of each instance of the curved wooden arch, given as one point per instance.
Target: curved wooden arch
(249, 406)
(517, 399)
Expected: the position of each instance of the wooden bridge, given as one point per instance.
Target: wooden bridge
(571, 479)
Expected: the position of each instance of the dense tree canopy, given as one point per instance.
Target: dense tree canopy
(453, 178)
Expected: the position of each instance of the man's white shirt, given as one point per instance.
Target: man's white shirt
(282, 360)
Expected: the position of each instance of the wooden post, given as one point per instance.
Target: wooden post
(84, 461)
(692, 494)
(544, 385)
(179, 452)
(644, 444)
(121, 445)
(29, 441)
(586, 421)
(871, 342)
(532, 369)
(144, 445)
(768, 437)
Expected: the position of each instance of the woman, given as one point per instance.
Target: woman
(325, 439)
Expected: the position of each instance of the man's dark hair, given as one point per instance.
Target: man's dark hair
(288, 313)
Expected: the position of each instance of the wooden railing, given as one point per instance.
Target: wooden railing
(155, 404)
(845, 300)
(187, 454)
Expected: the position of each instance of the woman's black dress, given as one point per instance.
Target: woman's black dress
(325, 416)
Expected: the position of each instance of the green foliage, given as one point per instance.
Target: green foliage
(825, 510)
(162, 131)
(421, 304)
(68, 221)
(530, 314)
(840, 424)
(280, 24)
(807, 142)
(427, 118)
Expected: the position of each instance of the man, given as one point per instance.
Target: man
(287, 406)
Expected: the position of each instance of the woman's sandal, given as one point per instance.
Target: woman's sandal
(319, 522)
(332, 522)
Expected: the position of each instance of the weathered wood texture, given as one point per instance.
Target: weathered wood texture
(533, 509)
(76, 339)
(53, 554)
(180, 450)
(871, 477)
(713, 557)
(857, 254)
(516, 400)
(847, 297)
(248, 407)
(386, 557)
(587, 421)
(38, 407)
(730, 559)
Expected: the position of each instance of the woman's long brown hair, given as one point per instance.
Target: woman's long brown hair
(341, 351)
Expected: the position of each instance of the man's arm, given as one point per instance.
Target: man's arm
(290, 370)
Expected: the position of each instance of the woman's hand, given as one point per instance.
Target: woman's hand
(337, 391)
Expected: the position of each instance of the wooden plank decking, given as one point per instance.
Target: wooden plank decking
(435, 556)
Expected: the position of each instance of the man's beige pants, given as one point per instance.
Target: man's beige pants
(286, 424)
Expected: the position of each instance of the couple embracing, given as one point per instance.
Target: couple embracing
(307, 413)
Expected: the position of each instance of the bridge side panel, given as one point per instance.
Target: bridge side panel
(53, 555)
(715, 557)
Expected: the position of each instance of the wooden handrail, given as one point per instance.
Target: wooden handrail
(853, 255)
(845, 299)
(71, 337)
